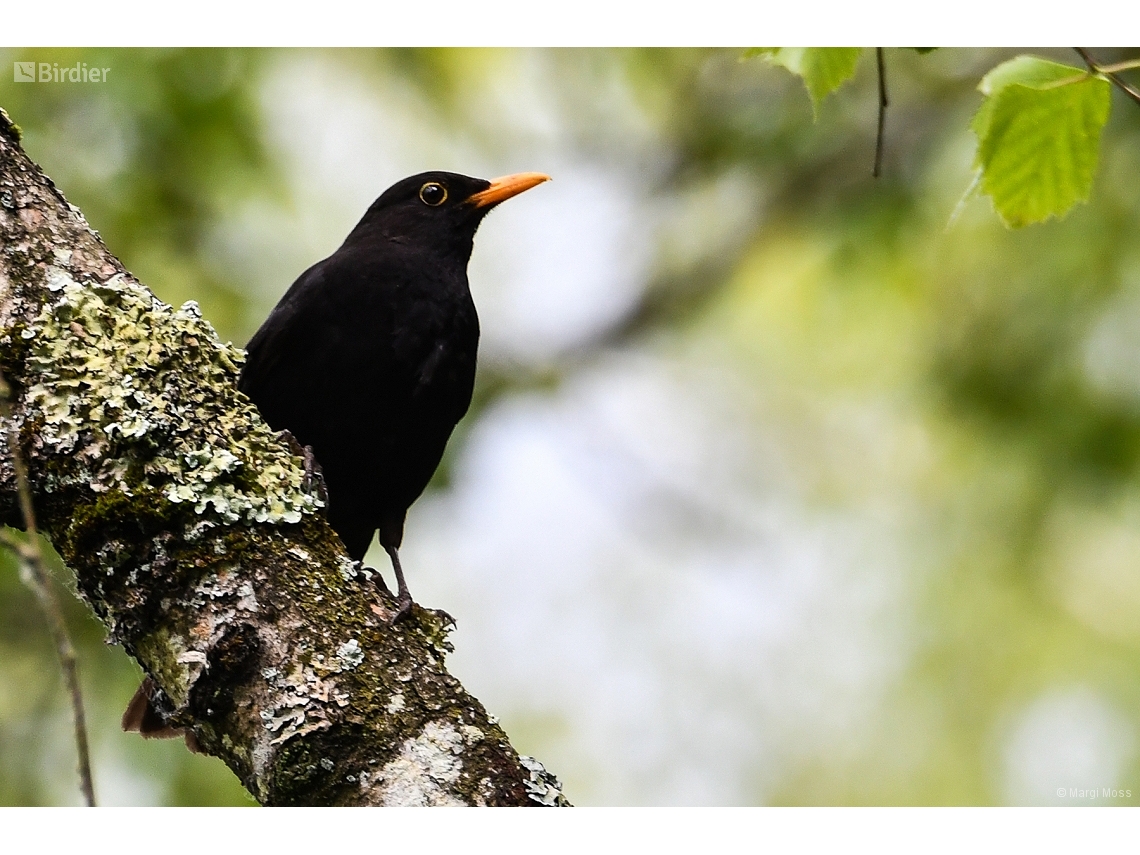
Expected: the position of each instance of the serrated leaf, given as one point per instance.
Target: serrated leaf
(823, 70)
(1025, 70)
(1038, 143)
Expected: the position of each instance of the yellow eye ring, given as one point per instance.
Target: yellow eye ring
(433, 194)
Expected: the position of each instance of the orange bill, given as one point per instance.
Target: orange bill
(506, 187)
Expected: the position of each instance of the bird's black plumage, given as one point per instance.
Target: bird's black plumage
(369, 358)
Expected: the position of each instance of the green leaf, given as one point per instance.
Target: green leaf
(1038, 137)
(823, 69)
(1028, 71)
(1025, 70)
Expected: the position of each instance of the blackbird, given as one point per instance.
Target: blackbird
(368, 361)
(369, 358)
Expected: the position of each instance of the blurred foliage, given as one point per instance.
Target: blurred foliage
(1015, 354)
(1038, 129)
(823, 69)
(157, 154)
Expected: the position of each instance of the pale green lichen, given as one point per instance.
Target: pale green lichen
(147, 394)
(349, 655)
(425, 771)
(541, 786)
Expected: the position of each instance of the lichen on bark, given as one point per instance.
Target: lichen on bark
(120, 377)
(192, 535)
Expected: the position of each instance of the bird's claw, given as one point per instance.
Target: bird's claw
(314, 476)
(404, 601)
(403, 608)
(375, 575)
(286, 436)
(314, 483)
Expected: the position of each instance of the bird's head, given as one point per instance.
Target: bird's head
(440, 210)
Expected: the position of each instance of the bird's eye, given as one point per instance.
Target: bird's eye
(433, 194)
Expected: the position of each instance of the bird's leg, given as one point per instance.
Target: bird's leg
(403, 596)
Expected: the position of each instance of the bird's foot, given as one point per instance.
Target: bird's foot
(403, 607)
(286, 436)
(314, 476)
(375, 576)
(314, 483)
(403, 599)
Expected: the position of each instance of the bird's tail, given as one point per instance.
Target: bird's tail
(142, 718)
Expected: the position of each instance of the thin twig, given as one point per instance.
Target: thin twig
(1108, 72)
(883, 103)
(34, 573)
(1127, 65)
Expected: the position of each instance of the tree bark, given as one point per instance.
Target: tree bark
(193, 537)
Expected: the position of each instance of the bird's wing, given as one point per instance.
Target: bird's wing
(282, 333)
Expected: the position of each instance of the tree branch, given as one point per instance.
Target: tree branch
(187, 524)
(1109, 73)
